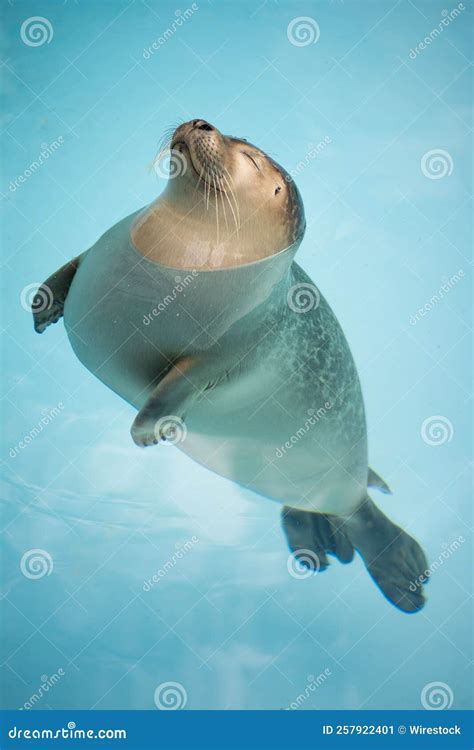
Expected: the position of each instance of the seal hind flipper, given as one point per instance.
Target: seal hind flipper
(394, 560)
(343, 549)
(48, 303)
(374, 480)
(162, 416)
(317, 533)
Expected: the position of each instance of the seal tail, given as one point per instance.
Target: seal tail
(374, 480)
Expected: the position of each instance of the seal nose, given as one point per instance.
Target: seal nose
(201, 125)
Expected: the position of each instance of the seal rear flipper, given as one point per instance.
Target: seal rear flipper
(48, 302)
(394, 560)
(317, 534)
(162, 416)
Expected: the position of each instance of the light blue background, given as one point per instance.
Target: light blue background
(228, 622)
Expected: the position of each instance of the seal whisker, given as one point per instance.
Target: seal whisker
(229, 180)
(222, 194)
(207, 188)
(217, 205)
(164, 144)
(168, 133)
(235, 214)
(230, 204)
(200, 181)
(164, 151)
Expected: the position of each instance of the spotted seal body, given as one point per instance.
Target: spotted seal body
(194, 311)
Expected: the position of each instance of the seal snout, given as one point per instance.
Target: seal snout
(193, 130)
(204, 148)
(202, 125)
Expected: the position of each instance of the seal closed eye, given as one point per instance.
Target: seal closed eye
(194, 311)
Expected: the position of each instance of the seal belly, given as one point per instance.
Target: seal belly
(296, 460)
(291, 426)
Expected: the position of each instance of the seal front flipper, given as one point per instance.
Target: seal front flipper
(48, 302)
(162, 416)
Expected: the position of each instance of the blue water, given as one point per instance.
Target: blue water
(227, 622)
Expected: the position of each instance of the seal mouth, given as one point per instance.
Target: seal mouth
(199, 173)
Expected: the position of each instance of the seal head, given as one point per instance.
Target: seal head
(226, 203)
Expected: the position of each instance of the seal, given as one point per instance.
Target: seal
(194, 311)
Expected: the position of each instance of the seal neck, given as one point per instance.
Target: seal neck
(194, 234)
(217, 298)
